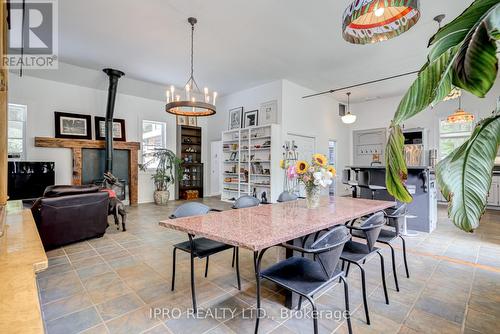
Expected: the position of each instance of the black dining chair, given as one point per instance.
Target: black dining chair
(245, 201)
(307, 277)
(199, 247)
(287, 197)
(358, 253)
(389, 234)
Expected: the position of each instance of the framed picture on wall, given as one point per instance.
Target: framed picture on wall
(192, 121)
(251, 118)
(235, 116)
(118, 129)
(268, 112)
(181, 120)
(72, 126)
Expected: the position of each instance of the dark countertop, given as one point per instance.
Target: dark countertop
(383, 167)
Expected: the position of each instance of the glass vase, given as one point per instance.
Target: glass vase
(313, 197)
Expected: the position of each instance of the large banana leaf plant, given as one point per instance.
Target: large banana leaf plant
(463, 54)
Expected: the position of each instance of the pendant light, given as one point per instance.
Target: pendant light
(192, 101)
(460, 116)
(349, 118)
(372, 21)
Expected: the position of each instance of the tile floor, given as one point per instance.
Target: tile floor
(110, 285)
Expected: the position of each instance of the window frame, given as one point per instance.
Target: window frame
(164, 135)
(451, 135)
(24, 122)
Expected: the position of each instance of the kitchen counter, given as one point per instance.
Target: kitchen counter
(383, 167)
(21, 256)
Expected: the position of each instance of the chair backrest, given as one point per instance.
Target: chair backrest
(372, 227)
(346, 176)
(332, 244)
(246, 201)
(395, 217)
(190, 209)
(287, 197)
(363, 178)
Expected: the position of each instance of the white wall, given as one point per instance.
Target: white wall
(379, 113)
(43, 97)
(314, 117)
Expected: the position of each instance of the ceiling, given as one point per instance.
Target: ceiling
(240, 44)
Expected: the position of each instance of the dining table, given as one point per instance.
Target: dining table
(260, 228)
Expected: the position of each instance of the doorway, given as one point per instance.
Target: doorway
(306, 147)
(332, 161)
(215, 167)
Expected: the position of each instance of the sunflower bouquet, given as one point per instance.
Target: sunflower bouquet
(314, 175)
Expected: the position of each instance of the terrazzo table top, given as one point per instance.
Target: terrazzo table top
(268, 225)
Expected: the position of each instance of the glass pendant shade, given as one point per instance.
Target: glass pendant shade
(191, 101)
(460, 116)
(349, 118)
(372, 21)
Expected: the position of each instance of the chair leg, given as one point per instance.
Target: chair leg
(193, 291)
(237, 251)
(348, 267)
(314, 314)
(382, 268)
(299, 307)
(347, 309)
(234, 255)
(173, 268)
(404, 256)
(363, 288)
(206, 267)
(393, 256)
(343, 265)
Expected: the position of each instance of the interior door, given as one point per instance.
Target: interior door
(215, 167)
(306, 147)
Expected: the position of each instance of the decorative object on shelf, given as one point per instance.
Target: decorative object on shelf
(118, 129)
(235, 116)
(372, 21)
(192, 121)
(181, 120)
(314, 176)
(72, 126)
(166, 171)
(460, 115)
(268, 112)
(251, 118)
(194, 102)
(349, 118)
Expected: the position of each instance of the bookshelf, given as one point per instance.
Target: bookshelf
(251, 163)
(189, 151)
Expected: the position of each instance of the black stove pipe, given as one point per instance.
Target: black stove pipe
(113, 75)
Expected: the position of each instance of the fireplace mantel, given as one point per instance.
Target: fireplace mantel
(76, 145)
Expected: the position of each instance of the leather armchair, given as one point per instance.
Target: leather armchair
(68, 214)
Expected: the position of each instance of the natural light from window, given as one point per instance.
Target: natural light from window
(16, 131)
(154, 137)
(452, 135)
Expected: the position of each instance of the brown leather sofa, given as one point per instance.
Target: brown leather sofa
(68, 214)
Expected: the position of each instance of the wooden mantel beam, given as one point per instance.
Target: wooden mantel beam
(76, 146)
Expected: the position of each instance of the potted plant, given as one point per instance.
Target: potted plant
(164, 176)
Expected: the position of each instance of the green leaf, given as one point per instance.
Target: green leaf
(476, 65)
(433, 83)
(464, 177)
(396, 170)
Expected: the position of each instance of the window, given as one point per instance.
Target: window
(154, 136)
(16, 146)
(452, 135)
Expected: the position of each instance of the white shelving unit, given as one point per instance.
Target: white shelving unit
(251, 163)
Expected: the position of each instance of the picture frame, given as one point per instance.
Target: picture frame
(235, 117)
(269, 112)
(251, 118)
(118, 129)
(192, 121)
(182, 120)
(72, 126)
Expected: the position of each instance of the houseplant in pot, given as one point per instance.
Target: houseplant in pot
(165, 173)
